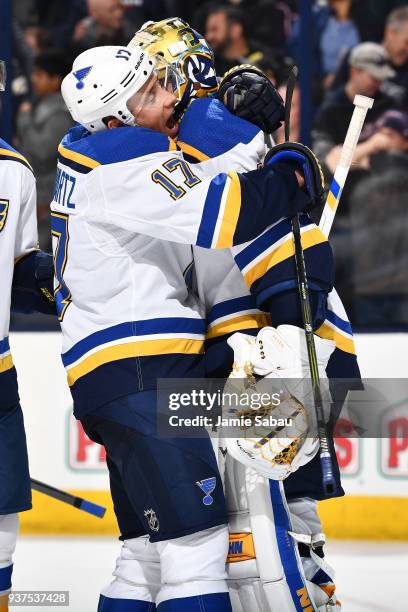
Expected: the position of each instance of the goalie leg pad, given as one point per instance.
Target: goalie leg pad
(8, 538)
(308, 533)
(137, 579)
(265, 571)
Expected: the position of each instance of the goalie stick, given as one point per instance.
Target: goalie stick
(326, 460)
(362, 105)
(67, 498)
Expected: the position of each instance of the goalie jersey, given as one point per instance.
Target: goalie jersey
(18, 237)
(266, 263)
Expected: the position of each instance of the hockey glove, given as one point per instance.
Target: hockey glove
(301, 158)
(279, 356)
(248, 93)
(32, 289)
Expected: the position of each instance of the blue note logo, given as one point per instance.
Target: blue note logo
(80, 75)
(207, 486)
(4, 206)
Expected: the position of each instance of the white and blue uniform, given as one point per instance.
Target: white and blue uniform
(18, 238)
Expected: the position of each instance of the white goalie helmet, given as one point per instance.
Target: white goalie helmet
(101, 82)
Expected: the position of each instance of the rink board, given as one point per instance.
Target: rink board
(375, 473)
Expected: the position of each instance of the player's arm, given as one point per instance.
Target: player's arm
(268, 262)
(166, 198)
(32, 289)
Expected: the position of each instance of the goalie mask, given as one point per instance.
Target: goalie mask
(186, 51)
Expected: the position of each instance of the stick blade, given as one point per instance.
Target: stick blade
(92, 508)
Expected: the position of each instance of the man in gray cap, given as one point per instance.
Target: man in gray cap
(369, 65)
(369, 68)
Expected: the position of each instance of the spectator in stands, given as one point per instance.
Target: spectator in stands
(388, 142)
(226, 32)
(379, 230)
(106, 25)
(369, 67)
(334, 32)
(38, 39)
(269, 21)
(396, 44)
(40, 128)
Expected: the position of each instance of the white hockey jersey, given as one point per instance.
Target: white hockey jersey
(126, 313)
(18, 236)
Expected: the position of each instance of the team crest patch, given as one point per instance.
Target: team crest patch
(4, 206)
(207, 486)
(152, 519)
(80, 75)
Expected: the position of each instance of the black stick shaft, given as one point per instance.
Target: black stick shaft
(326, 461)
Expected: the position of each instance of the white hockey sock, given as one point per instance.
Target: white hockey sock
(194, 565)
(8, 539)
(137, 573)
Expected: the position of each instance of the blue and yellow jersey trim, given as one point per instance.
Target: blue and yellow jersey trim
(165, 336)
(6, 361)
(337, 329)
(191, 153)
(76, 161)
(221, 212)
(274, 246)
(235, 315)
(8, 153)
(83, 152)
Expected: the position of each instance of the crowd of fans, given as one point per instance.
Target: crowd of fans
(358, 47)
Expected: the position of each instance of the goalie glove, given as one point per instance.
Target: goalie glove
(301, 158)
(276, 451)
(248, 93)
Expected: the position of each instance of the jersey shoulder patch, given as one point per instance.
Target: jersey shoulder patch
(4, 207)
(83, 151)
(211, 130)
(8, 153)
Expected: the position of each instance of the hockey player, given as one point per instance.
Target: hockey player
(128, 318)
(274, 286)
(26, 285)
